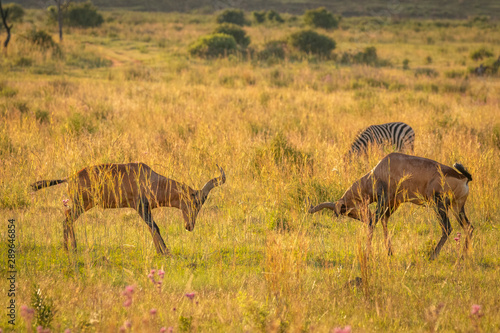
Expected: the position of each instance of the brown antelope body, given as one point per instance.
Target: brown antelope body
(400, 178)
(132, 185)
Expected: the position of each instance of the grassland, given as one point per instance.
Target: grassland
(128, 91)
(376, 8)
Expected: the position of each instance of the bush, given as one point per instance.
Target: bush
(481, 53)
(274, 49)
(426, 71)
(274, 16)
(311, 42)
(83, 15)
(15, 12)
(41, 39)
(367, 57)
(214, 45)
(406, 64)
(259, 17)
(239, 35)
(235, 16)
(321, 18)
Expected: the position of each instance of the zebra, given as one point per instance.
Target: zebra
(400, 135)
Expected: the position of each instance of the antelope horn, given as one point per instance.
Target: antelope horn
(329, 205)
(214, 182)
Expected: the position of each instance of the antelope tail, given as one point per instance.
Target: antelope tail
(462, 170)
(46, 183)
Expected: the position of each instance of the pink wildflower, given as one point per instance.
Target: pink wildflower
(67, 330)
(65, 202)
(346, 329)
(161, 273)
(127, 324)
(128, 302)
(475, 309)
(170, 329)
(129, 289)
(122, 329)
(190, 295)
(153, 312)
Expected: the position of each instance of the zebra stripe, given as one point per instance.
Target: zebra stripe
(400, 135)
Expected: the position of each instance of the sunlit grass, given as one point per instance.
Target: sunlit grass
(255, 260)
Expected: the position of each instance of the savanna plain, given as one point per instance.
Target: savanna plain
(256, 261)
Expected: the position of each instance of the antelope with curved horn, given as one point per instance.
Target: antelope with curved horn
(400, 178)
(132, 185)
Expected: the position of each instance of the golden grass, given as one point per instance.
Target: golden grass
(255, 260)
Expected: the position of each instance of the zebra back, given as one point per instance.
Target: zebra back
(400, 135)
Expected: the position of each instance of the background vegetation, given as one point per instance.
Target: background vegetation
(279, 121)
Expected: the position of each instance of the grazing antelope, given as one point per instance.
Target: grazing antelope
(400, 135)
(400, 178)
(132, 185)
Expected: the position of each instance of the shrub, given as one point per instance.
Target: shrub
(274, 49)
(259, 17)
(41, 39)
(15, 12)
(481, 53)
(83, 15)
(235, 16)
(455, 74)
(311, 42)
(426, 71)
(406, 64)
(214, 45)
(274, 16)
(239, 35)
(367, 57)
(44, 308)
(321, 18)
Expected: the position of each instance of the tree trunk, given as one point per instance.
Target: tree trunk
(4, 21)
(60, 20)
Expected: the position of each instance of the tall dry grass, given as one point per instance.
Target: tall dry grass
(255, 260)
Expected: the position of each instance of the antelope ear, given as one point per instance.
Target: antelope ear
(343, 209)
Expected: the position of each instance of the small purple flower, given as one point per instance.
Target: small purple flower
(174, 309)
(27, 313)
(129, 289)
(153, 312)
(39, 329)
(127, 324)
(170, 329)
(153, 271)
(475, 309)
(346, 329)
(65, 202)
(163, 330)
(161, 273)
(190, 296)
(128, 302)
(67, 330)
(122, 329)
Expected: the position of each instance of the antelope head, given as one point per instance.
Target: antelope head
(194, 199)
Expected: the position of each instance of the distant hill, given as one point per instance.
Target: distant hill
(391, 8)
